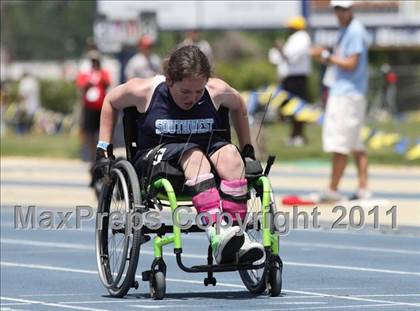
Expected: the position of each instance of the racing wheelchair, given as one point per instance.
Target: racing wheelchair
(119, 239)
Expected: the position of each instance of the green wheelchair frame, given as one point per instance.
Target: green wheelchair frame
(121, 191)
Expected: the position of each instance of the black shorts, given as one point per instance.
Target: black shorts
(297, 85)
(90, 120)
(164, 162)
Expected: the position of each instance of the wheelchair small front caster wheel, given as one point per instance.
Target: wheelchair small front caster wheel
(274, 279)
(157, 285)
(208, 281)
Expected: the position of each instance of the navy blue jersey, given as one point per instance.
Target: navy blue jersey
(165, 122)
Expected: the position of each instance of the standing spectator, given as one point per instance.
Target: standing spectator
(346, 104)
(293, 68)
(92, 84)
(29, 102)
(193, 38)
(85, 62)
(144, 64)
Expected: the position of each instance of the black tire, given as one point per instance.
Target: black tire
(158, 286)
(275, 277)
(97, 188)
(255, 280)
(118, 273)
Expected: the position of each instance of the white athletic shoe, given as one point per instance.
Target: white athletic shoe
(250, 251)
(226, 244)
(361, 194)
(326, 196)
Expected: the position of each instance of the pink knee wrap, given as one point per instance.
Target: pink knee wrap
(208, 201)
(234, 188)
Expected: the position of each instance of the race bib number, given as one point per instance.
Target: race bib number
(158, 156)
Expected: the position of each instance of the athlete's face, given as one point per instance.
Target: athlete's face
(187, 92)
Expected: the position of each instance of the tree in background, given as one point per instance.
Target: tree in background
(40, 30)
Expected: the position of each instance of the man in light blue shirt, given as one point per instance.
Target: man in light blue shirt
(346, 106)
(353, 43)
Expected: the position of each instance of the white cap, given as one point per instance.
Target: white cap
(346, 4)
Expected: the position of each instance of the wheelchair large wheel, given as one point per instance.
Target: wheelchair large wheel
(256, 280)
(117, 239)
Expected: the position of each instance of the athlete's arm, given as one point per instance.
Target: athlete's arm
(225, 95)
(131, 94)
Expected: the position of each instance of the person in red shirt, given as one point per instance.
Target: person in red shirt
(92, 83)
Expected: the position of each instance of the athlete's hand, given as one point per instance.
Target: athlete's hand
(248, 152)
(103, 162)
(253, 168)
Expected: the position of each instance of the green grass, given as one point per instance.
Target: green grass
(273, 137)
(37, 145)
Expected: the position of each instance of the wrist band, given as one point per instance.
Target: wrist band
(102, 144)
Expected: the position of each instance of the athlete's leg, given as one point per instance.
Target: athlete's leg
(200, 182)
(233, 186)
(194, 163)
(234, 192)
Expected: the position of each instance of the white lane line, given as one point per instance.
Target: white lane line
(286, 243)
(389, 295)
(351, 268)
(341, 307)
(314, 294)
(47, 244)
(352, 247)
(162, 306)
(59, 295)
(374, 233)
(289, 263)
(111, 300)
(296, 297)
(50, 304)
(44, 267)
(15, 304)
(149, 307)
(299, 303)
(192, 306)
(334, 288)
(82, 229)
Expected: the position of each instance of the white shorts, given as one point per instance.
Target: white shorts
(343, 121)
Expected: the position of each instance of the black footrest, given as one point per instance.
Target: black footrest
(218, 268)
(214, 267)
(225, 267)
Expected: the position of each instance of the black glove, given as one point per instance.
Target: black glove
(103, 162)
(248, 151)
(253, 168)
